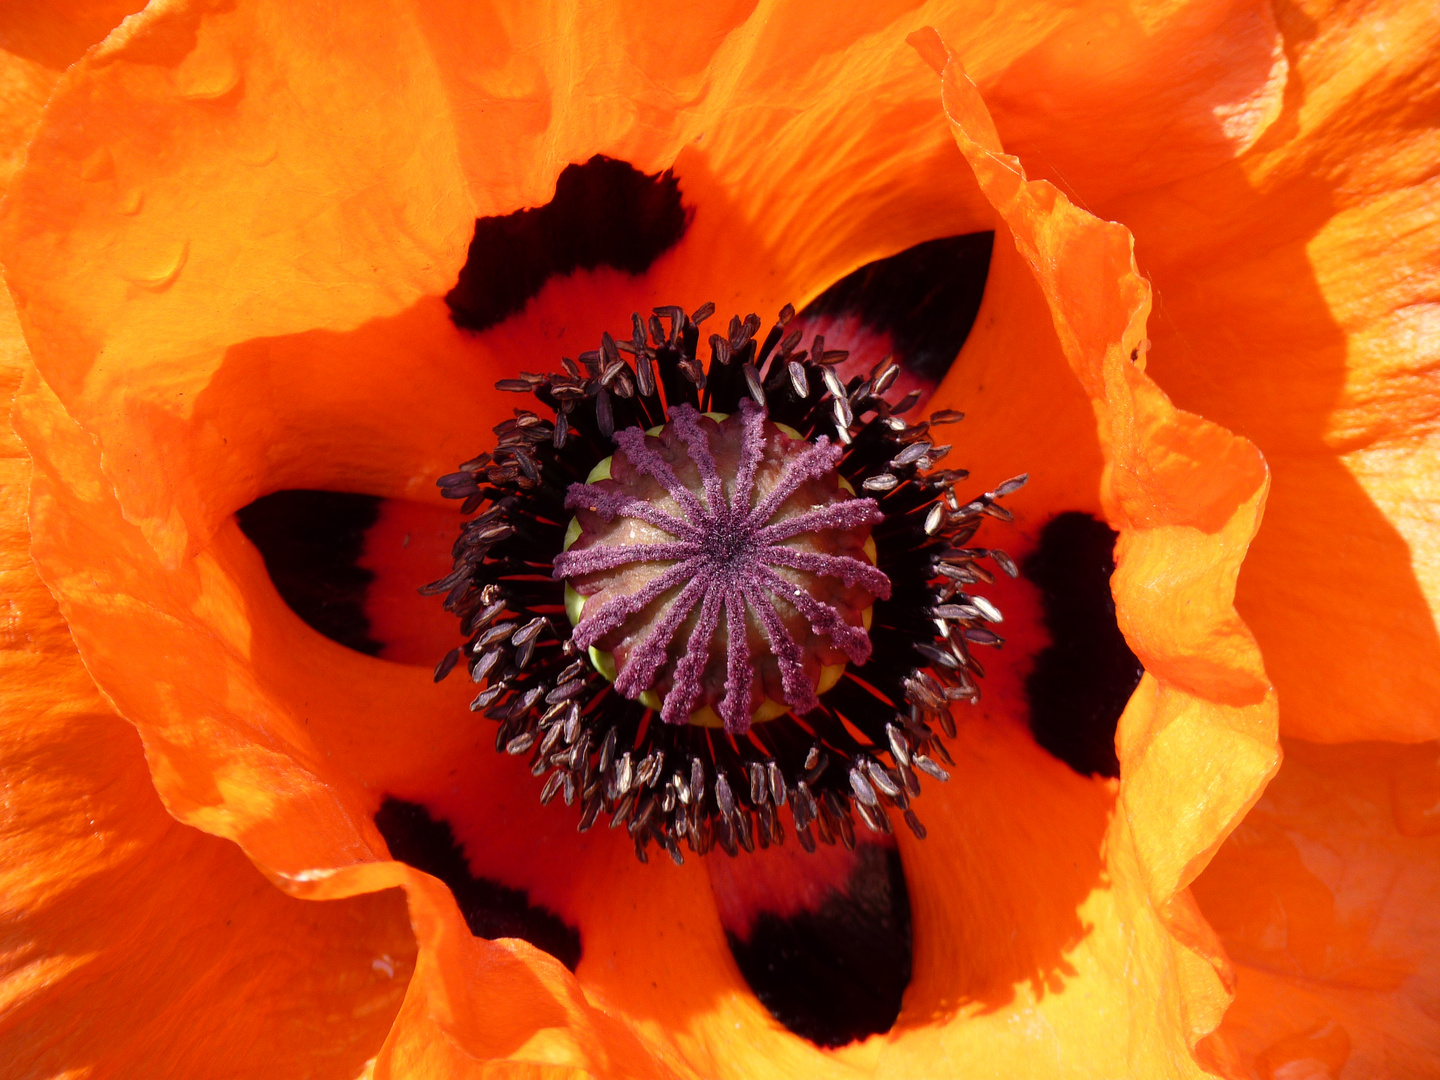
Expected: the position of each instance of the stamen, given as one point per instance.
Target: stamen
(757, 520)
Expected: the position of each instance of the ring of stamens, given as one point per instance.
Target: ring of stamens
(674, 783)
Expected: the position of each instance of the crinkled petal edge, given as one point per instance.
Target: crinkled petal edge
(1199, 740)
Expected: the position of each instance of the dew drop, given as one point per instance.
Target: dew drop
(208, 78)
(165, 270)
(259, 155)
(1319, 1052)
(130, 202)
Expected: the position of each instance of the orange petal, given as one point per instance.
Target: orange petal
(150, 429)
(55, 35)
(1324, 899)
(188, 101)
(289, 757)
(476, 999)
(410, 542)
(1298, 290)
(1121, 97)
(37, 42)
(761, 122)
(24, 86)
(1196, 743)
(136, 942)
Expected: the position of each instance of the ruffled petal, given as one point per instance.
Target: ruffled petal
(1324, 898)
(183, 100)
(1117, 98)
(247, 738)
(54, 36)
(1298, 295)
(1197, 742)
(37, 42)
(755, 110)
(24, 86)
(135, 942)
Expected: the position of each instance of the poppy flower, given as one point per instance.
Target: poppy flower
(232, 246)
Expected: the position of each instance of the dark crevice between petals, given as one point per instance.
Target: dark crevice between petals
(491, 910)
(311, 542)
(604, 213)
(1083, 679)
(921, 303)
(837, 971)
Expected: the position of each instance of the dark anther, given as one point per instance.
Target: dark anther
(491, 910)
(1082, 680)
(604, 213)
(311, 542)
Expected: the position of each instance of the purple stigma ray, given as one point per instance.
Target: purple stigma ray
(611, 504)
(651, 653)
(613, 613)
(724, 561)
(646, 460)
(845, 515)
(799, 693)
(813, 463)
(685, 419)
(680, 702)
(852, 641)
(739, 669)
(848, 570)
(752, 446)
(593, 559)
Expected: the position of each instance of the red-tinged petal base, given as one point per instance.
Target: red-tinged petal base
(410, 542)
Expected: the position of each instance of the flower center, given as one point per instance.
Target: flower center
(720, 537)
(719, 569)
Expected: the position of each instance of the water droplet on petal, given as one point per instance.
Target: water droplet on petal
(160, 275)
(208, 78)
(261, 154)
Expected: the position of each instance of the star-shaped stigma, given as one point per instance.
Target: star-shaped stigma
(756, 552)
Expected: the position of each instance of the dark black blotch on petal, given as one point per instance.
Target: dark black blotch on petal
(491, 910)
(604, 213)
(311, 542)
(1082, 680)
(926, 298)
(838, 973)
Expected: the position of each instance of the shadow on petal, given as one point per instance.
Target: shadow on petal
(1324, 899)
(1277, 285)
